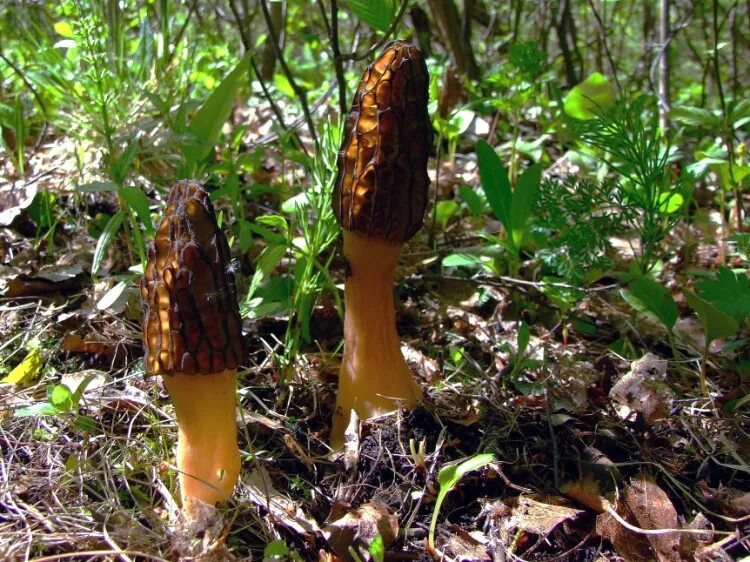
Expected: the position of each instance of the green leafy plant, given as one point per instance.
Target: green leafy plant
(451, 128)
(512, 208)
(448, 477)
(278, 551)
(587, 99)
(202, 133)
(311, 250)
(573, 222)
(62, 400)
(646, 295)
(12, 118)
(716, 325)
(378, 14)
(519, 361)
(722, 305)
(729, 292)
(628, 133)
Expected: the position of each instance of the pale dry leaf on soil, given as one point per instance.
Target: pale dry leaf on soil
(645, 505)
(464, 546)
(573, 380)
(260, 490)
(533, 515)
(644, 390)
(359, 528)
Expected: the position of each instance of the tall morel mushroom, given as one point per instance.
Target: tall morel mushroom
(379, 199)
(192, 333)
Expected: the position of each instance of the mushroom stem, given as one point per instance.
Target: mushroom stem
(207, 454)
(374, 376)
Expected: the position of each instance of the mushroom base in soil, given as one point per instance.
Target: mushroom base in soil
(207, 455)
(374, 377)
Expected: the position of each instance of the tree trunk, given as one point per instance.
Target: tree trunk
(421, 24)
(451, 30)
(562, 23)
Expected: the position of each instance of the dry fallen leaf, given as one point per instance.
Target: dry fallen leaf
(466, 547)
(643, 389)
(360, 528)
(574, 379)
(539, 517)
(261, 492)
(585, 491)
(645, 505)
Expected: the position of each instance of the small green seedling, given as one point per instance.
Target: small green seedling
(448, 477)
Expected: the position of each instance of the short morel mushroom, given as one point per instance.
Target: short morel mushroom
(379, 199)
(192, 333)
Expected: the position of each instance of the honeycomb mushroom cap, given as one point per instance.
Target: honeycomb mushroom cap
(191, 321)
(381, 186)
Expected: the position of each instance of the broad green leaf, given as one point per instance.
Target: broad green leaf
(274, 221)
(593, 94)
(63, 28)
(276, 549)
(296, 203)
(40, 408)
(651, 297)
(86, 424)
(138, 201)
(522, 339)
(462, 260)
(283, 85)
(378, 14)
(26, 370)
(461, 120)
(60, 397)
(670, 202)
(495, 183)
(268, 260)
(246, 235)
(716, 324)
(473, 200)
(105, 240)
(444, 210)
(696, 116)
(40, 209)
(729, 292)
(210, 118)
(524, 198)
(473, 463)
(112, 296)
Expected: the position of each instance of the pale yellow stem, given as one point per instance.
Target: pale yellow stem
(207, 452)
(374, 378)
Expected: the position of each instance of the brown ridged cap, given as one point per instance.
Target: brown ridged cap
(381, 186)
(191, 321)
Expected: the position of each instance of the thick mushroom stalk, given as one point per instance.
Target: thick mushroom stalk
(192, 335)
(380, 198)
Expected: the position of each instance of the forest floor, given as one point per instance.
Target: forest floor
(597, 455)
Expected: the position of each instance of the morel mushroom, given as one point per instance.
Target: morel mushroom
(379, 199)
(193, 337)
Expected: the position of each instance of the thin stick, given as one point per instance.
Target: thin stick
(333, 36)
(266, 93)
(377, 46)
(630, 527)
(299, 92)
